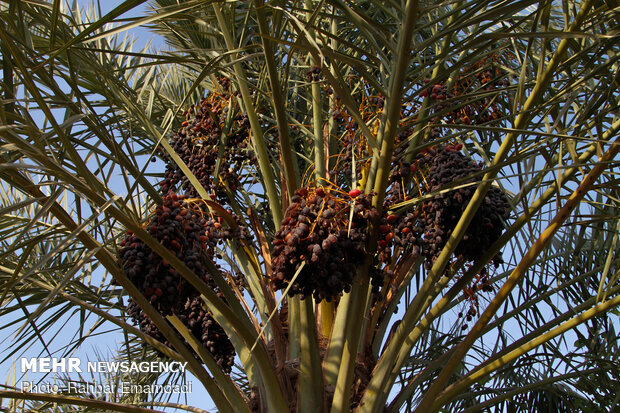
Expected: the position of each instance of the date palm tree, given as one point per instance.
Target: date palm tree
(363, 205)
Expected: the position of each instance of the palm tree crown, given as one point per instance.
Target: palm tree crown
(331, 205)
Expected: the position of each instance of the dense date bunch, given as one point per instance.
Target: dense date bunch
(445, 165)
(185, 227)
(317, 230)
(200, 142)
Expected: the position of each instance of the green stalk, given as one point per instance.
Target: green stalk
(336, 341)
(371, 178)
(311, 398)
(333, 143)
(483, 372)
(352, 333)
(258, 139)
(517, 274)
(317, 126)
(246, 261)
(278, 104)
(294, 326)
